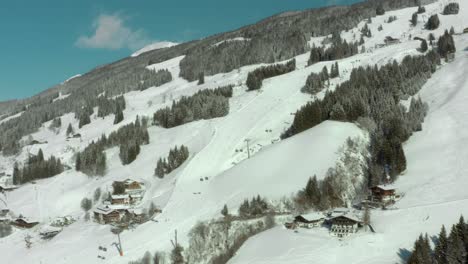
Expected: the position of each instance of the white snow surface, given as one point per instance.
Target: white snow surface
(433, 185)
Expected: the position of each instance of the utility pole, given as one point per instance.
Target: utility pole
(117, 231)
(248, 148)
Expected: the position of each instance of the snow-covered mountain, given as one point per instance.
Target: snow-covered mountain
(153, 46)
(219, 172)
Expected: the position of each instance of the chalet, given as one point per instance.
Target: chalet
(344, 225)
(465, 31)
(120, 199)
(309, 220)
(384, 194)
(391, 41)
(24, 223)
(109, 214)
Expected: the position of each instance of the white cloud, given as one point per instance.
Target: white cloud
(112, 33)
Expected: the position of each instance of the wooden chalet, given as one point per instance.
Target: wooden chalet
(391, 41)
(309, 220)
(24, 223)
(344, 225)
(384, 194)
(109, 214)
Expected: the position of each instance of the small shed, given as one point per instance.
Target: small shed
(7, 188)
(344, 225)
(48, 232)
(391, 41)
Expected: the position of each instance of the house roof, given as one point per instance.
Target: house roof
(385, 187)
(314, 216)
(349, 216)
(107, 209)
(120, 196)
(339, 211)
(27, 220)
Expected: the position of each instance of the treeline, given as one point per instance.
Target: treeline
(373, 94)
(319, 195)
(340, 49)
(256, 207)
(451, 9)
(176, 157)
(316, 81)
(256, 77)
(448, 249)
(205, 104)
(37, 167)
(84, 95)
(433, 22)
(129, 138)
(446, 44)
(154, 78)
(108, 106)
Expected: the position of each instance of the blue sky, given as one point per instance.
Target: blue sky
(45, 42)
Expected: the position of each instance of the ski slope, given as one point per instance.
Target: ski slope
(433, 183)
(434, 187)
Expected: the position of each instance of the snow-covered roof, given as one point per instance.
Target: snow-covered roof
(120, 196)
(314, 216)
(349, 216)
(107, 209)
(27, 220)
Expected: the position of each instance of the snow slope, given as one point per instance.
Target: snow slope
(434, 186)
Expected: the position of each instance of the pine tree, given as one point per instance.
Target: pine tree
(423, 47)
(414, 19)
(455, 247)
(201, 78)
(118, 116)
(70, 130)
(440, 251)
(380, 10)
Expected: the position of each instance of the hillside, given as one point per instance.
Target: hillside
(218, 170)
